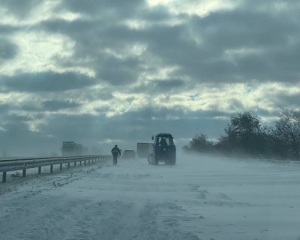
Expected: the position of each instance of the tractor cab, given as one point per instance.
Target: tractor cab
(163, 140)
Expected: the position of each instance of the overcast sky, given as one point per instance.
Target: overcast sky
(101, 72)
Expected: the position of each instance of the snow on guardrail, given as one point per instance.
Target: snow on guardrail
(8, 165)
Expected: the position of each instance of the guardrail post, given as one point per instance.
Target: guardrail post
(69, 165)
(75, 164)
(4, 177)
(84, 162)
(60, 167)
(51, 169)
(80, 163)
(89, 161)
(24, 172)
(40, 170)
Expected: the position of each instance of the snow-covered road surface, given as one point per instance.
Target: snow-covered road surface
(196, 199)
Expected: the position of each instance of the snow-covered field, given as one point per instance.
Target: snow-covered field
(199, 198)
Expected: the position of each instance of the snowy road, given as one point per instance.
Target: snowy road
(196, 199)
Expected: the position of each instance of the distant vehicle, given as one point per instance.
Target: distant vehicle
(144, 149)
(128, 154)
(70, 148)
(164, 149)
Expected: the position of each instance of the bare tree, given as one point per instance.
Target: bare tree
(200, 143)
(245, 134)
(287, 133)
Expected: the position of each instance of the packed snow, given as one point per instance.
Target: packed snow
(198, 198)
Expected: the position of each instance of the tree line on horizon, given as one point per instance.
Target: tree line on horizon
(245, 135)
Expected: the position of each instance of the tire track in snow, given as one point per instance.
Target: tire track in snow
(39, 219)
(26, 204)
(102, 220)
(158, 226)
(118, 220)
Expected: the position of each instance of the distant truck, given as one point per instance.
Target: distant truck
(70, 148)
(128, 154)
(164, 149)
(144, 149)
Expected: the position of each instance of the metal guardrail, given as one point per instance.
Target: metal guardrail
(9, 165)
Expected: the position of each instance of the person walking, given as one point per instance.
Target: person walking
(115, 152)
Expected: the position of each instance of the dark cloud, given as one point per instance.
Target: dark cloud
(108, 8)
(150, 113)
(118, 71)
(92, 94)
(31, 107)
(46, 82)
(161, 86)
(270, 6)
(268, 42)
(104, 95)
(103, 110)
(8, 29)
(169, 84)
(4, 108)
(286, 100)
(8, 50)
(91, 35)
(72, 28)
(164, 113)
(58, 105)
(241, 28)
(16, 118)
(156, 14)
(224, 31)
(20, 8)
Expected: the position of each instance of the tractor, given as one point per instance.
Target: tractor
(164, 150)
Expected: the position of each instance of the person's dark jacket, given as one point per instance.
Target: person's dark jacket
(116, 150)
